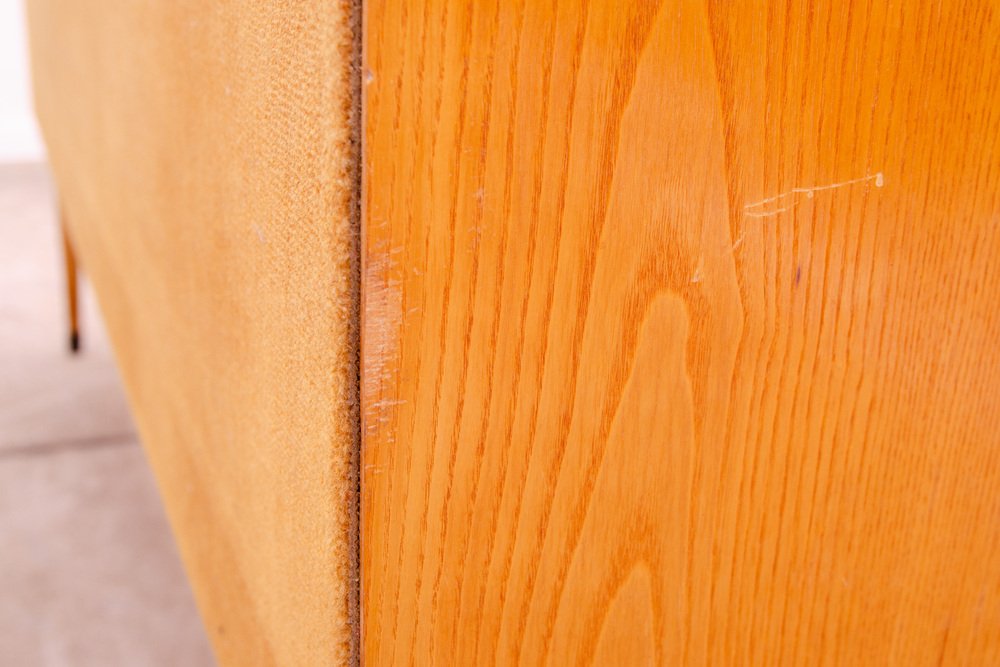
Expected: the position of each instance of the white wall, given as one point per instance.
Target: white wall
(19, 138)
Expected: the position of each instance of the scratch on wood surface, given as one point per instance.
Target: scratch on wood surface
(699, 271)
(792, 198)
(383, 313)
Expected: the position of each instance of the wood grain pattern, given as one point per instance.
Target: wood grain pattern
(679, 339)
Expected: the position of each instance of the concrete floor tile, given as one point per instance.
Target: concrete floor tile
(45, 393)
(89, 573)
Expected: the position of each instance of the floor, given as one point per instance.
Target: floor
(89, 574)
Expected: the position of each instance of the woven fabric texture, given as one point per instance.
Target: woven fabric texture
(205, 154)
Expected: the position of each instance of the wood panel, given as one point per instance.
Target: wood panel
(680, 333)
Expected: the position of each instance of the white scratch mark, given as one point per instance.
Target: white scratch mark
(386, 402)
(260, 233)
(749, 211)
(768, 214)
(383, 310)
(699, 271)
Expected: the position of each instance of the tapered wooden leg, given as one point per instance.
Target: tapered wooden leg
(72, 287)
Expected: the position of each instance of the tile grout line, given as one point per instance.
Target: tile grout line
(50, 447)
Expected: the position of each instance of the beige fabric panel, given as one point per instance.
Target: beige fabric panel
(205, 155)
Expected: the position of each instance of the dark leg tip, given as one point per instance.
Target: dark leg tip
(74, 342)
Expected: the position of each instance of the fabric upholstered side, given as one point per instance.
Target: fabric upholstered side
(206, 155)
